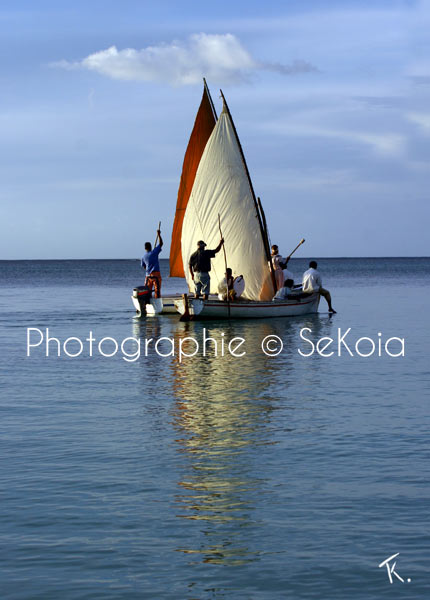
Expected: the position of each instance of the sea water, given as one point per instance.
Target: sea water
(215, 476)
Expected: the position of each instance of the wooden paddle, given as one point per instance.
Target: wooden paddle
(159, 228)
(186, 316)
(302, 241)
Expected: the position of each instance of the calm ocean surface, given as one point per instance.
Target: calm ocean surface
(215, 477)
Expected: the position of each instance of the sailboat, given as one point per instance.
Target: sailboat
(215, 188)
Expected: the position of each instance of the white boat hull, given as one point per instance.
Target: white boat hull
(215, 309)
(168, 306)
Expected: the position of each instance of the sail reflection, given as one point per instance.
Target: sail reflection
(224, 412)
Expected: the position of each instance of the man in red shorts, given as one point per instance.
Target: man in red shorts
(152, 266)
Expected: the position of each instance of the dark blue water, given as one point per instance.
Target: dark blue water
(213, 476)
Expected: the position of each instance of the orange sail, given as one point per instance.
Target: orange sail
(203, 126)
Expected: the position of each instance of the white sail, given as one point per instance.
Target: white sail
(221, 186)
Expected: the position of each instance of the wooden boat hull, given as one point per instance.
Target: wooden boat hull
(216, 309)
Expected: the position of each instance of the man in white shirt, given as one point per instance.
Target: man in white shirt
(234, 285)
(312, 283)
(225, 286)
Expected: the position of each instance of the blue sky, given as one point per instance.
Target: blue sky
(331, 101)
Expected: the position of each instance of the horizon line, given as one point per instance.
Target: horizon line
(167, 259)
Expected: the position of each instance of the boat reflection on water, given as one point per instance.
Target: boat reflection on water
(225, 411)
(230, 418)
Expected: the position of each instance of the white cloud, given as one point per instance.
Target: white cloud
(297, 66)
(384, 144)
(420, 119)
(221, 57)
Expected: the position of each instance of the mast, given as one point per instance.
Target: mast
(263, 231)
(267, 244)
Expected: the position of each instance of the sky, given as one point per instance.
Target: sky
(331, 101)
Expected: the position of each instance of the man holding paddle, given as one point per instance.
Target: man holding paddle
(280, 266)
(152, 266)
(200, 265)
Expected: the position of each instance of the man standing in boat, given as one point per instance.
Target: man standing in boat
(312, 283)
(279, 264)
(152, 266)
(200, 265)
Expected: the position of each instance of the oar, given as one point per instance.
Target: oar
(225, 263)
(156, 238)
(186, 316)
(302, 241)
